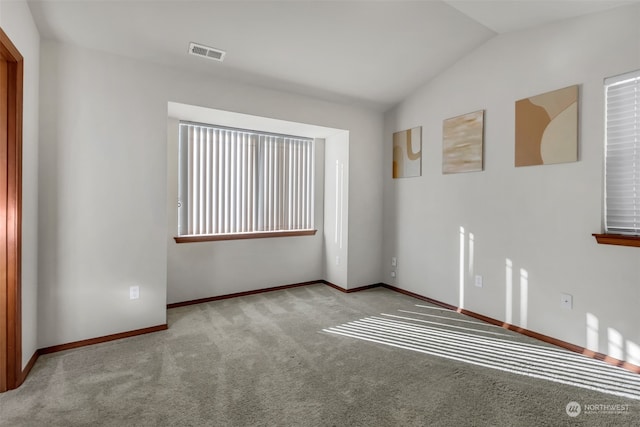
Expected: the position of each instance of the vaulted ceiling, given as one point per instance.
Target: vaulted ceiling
(371, 53)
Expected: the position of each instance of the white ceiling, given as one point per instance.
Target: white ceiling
(503, 16)
(371, 53)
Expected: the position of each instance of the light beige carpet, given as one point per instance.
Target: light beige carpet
(313, 356)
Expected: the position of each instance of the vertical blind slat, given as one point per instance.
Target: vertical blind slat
(237, 181)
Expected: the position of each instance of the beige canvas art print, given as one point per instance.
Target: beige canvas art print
(462, 139)
(407, 153)
(547, 128)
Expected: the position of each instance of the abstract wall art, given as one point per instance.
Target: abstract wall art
(407, 153)
(462, 140)
(547, 128)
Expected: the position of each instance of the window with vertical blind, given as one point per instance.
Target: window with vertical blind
(622, 155)
(242, 183)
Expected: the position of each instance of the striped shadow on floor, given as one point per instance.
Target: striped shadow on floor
(445, 333)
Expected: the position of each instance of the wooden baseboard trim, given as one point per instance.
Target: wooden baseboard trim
(241, 294)
(29, 366)
(420, 297)
(274, 288)
(541, 337)
(98, 340)
(544, 338)
(351, 290)
(113, 337)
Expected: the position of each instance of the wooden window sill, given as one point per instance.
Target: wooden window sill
(242, 236)
(617, 239)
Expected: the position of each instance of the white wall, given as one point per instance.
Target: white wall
(102, 197)
(17, 23)
(540, 218)
(206, 269)
(104, 189)
(365, 194)
(336, 209)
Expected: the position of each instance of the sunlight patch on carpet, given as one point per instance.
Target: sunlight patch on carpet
(482, 346)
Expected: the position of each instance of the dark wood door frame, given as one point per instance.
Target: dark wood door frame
(10, 214)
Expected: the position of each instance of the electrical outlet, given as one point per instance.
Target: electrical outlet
(134, 292)
(337, 260)
(566, 301)
(393, 274)
(479, 281)
(394, 261)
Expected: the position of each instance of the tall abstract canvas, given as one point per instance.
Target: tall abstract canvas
(407, 153)
(462, 139)
(547, 128)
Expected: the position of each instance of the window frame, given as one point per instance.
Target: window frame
(308, 176)
(612, 237)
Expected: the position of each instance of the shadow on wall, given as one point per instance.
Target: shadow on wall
(524, 294)
(617, 346)
(468, 238)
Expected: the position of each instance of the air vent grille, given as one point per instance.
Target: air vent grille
(206, 52)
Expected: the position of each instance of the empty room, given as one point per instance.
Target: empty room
(320, 213)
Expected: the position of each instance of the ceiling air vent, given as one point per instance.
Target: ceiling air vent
(206, 52)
